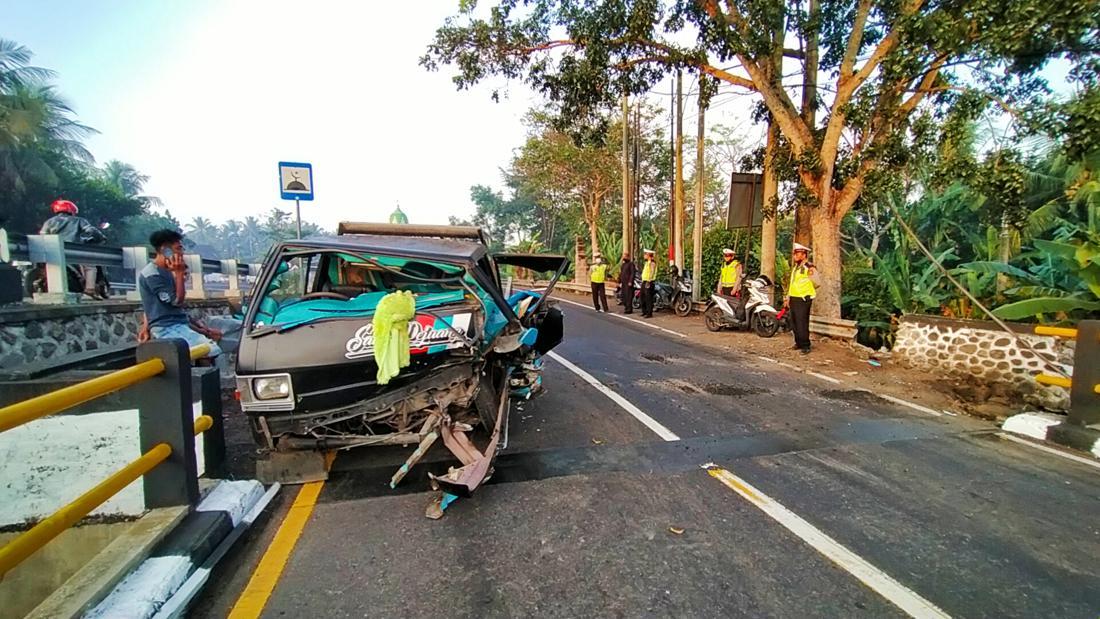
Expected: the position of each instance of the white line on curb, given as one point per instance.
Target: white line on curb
(1050, 450)
(918, 407)
(635, 320)
(823, 377)
(881, 582)
(649, 422)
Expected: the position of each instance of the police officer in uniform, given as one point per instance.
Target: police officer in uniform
(597, 275)
(730, 280)
(800, 296)
(649, 276)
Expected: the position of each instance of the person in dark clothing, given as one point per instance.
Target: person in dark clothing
(626, 284)
(72, 228)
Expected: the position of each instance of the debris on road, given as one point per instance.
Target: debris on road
(676, 530)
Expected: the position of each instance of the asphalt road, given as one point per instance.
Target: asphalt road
(835, 503)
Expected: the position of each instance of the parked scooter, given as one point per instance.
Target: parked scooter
(676, 297)
(752, 310)
(681, 296)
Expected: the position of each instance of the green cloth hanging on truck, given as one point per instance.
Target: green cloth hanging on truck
(391, 333)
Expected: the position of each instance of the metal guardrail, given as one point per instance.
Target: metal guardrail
(50, 250)
(167, 447)
(1084, 385)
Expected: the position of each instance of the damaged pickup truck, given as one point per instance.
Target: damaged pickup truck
(317, 369)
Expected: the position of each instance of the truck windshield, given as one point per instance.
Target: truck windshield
(315, 286)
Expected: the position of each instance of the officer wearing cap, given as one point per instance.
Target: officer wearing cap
(800, 296)
(597, 276)
(730, 279)
(649, 276)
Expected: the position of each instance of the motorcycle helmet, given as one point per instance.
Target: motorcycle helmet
(64, 206)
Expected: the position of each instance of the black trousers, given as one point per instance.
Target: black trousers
(627, 296)
(647, 298)
(599, 294)
(800, 321)
(726, 290)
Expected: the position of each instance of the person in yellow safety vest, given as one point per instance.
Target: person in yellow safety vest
(800, 296)
(649, 276)
(729, 283)
(597, 275)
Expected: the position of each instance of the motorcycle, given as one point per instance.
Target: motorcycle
(34, 279)
(752, 310)
(676, 296)
(681, 297)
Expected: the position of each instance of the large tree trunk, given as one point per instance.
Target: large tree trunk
(593, 218)
(827, 258)
(770, 190)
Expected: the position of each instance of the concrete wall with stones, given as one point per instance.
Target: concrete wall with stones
(34, 334)
(981, 351)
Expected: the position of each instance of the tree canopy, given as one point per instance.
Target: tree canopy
(882, 66)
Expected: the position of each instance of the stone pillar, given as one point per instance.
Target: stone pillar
(580, 259)
(229, 269)
(134, 258)
(194, 264)
(49, 249)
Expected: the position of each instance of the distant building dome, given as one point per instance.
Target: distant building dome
(398, 216)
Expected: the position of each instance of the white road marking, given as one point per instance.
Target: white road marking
(882, 583)
(635, 320)
(763, 358)
(1050, 450)
(823, 377)
(636, 412)
(789, 366)
(879, 581)
(917, 407)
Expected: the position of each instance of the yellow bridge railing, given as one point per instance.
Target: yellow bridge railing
(15, 415)
(1084, 385)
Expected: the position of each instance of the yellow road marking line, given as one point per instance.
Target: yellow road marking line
(880, 582)
(259, 588)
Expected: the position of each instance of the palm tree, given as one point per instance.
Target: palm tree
(202, 230)
(129, 181)
(252, 232)
(34, 120)
(231, 238)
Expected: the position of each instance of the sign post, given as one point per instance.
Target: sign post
(296, 183)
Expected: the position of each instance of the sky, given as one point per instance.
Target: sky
(206, 97)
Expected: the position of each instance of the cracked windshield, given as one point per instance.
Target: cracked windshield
(549, 308)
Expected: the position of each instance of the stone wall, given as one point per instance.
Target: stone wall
(37, 333)
(981, 351)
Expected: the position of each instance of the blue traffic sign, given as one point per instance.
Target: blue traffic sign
(296, 180)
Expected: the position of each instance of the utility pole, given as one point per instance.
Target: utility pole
(672, 176)
(628, 194)
(636, 173)
(678, 233)
(700, 178)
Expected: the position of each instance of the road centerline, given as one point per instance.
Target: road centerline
(880, 582)
(623, 403)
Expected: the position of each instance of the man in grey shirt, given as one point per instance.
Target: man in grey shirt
(162, 284)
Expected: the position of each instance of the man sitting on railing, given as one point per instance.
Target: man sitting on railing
(162, 284)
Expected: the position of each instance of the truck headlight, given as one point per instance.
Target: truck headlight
(271, 387)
